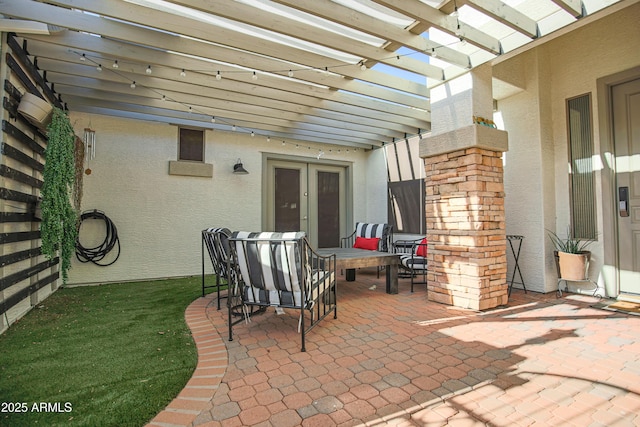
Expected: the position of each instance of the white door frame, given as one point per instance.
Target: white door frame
(609, 189)
(268, 157)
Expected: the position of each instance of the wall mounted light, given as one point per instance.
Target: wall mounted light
(238, 169)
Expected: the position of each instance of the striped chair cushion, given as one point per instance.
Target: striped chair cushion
(413, 262)
(381, 231)
(270, 265)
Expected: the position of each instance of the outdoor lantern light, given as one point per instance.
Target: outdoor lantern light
(238, 169)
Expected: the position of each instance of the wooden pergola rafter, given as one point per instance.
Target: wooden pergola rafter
(347, 72)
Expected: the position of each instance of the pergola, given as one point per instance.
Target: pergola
(350, 72)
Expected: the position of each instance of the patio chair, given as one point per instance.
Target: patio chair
(281, 270)
(365, 235)
(216, 240)
(413, 258)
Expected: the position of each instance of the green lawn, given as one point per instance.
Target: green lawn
(112, 355)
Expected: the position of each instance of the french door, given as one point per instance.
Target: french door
(308, 197)
(626, 120)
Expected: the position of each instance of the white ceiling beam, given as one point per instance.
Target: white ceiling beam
(23, 26)
(220, 91)
(574, 7)
(276, 137)
(427, 14)
(109, 49)
(507, 15)
(245, 126)
(254, 117)
(294, 28)
(232, 108)
(204, 34)
(359, 21)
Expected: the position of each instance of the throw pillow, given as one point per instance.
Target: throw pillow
(422, 248)
(369, 243)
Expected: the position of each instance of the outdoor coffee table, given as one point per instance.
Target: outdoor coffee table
(349, 259)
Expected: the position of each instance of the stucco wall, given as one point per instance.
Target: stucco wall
(536, 175)
(159, 216)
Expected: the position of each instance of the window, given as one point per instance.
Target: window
(581, 177)
(191, 145)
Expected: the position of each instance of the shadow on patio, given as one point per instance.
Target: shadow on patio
(401, 360)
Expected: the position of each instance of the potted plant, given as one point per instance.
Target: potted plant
(572, 258)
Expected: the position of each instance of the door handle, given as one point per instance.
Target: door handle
(623, 201)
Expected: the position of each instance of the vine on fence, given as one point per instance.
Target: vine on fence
(59, 219)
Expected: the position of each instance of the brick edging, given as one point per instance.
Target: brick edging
(213, 360)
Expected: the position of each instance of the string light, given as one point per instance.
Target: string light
(183, 73)
(218, 76)
(255, 76)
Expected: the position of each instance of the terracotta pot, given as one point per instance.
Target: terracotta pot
(574, 266)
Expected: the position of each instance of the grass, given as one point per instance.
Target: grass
(115, 355)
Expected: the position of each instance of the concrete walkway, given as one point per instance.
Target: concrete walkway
(401, 360)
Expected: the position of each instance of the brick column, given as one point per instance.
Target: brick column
(466, 228)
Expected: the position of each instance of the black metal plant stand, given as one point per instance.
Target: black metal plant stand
(516, 255)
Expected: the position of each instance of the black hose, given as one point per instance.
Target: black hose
(98, 253)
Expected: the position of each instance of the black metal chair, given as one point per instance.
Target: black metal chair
(281, 270)
(413, 258)
(216, 240)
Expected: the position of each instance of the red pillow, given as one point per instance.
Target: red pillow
(370, 244)
(421, 250)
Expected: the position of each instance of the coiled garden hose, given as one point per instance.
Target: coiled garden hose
(98, 253)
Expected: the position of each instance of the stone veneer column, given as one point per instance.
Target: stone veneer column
(466, 229)
(465, 196)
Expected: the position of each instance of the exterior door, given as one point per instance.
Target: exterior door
(307, 197)
(626, 127)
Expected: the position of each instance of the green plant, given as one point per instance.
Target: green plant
(59, 226)
(570, 244)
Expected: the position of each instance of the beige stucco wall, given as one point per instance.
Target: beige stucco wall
(159, 216)
(536, 175)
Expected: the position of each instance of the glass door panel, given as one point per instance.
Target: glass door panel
(327, 204)
(287, 200)
(307, 197)
(328, 191)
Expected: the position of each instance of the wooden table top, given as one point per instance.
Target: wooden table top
(354, 258)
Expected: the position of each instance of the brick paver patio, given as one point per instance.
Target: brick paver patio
(404, 361)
